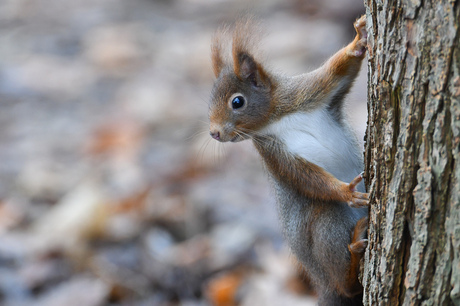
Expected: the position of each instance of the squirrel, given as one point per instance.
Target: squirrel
(298, 126)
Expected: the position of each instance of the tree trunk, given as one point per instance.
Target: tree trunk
(412, 158)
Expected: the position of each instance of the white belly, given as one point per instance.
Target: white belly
(317, 138)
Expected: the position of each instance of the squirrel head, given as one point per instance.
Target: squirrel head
(241, 97)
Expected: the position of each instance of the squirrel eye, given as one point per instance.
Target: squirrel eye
(237, 102)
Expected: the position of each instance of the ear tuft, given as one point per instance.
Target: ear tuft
(217, 49)
(244, 39)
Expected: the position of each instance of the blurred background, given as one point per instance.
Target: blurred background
(112, 192)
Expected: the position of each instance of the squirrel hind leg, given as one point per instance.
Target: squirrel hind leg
(360, 231)
(357, 247)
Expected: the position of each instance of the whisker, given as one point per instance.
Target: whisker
(204, 98)
(224, 151)
(196, 135)
(206, 123)
(256, 140)
(260, 137)
(194, 129)
(202, 149)
(216, 148)
(242, 134)
(221, 151)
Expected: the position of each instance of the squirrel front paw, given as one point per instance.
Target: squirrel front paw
(360, 42)
(354, 198)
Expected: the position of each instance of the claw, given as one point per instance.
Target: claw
(356, 181)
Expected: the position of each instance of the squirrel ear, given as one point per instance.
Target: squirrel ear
(247, 68)
(246, 35)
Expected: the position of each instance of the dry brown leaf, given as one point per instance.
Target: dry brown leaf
(134, 203)
(223, 289)
(121, 138)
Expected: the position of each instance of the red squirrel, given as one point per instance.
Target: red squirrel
(298, 126)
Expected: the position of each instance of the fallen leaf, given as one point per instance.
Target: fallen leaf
(222, 290)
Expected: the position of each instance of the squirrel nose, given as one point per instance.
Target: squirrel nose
(215, 135)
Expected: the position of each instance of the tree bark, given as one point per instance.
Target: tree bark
(412, 154)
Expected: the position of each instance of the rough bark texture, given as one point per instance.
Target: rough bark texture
(412, 153)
